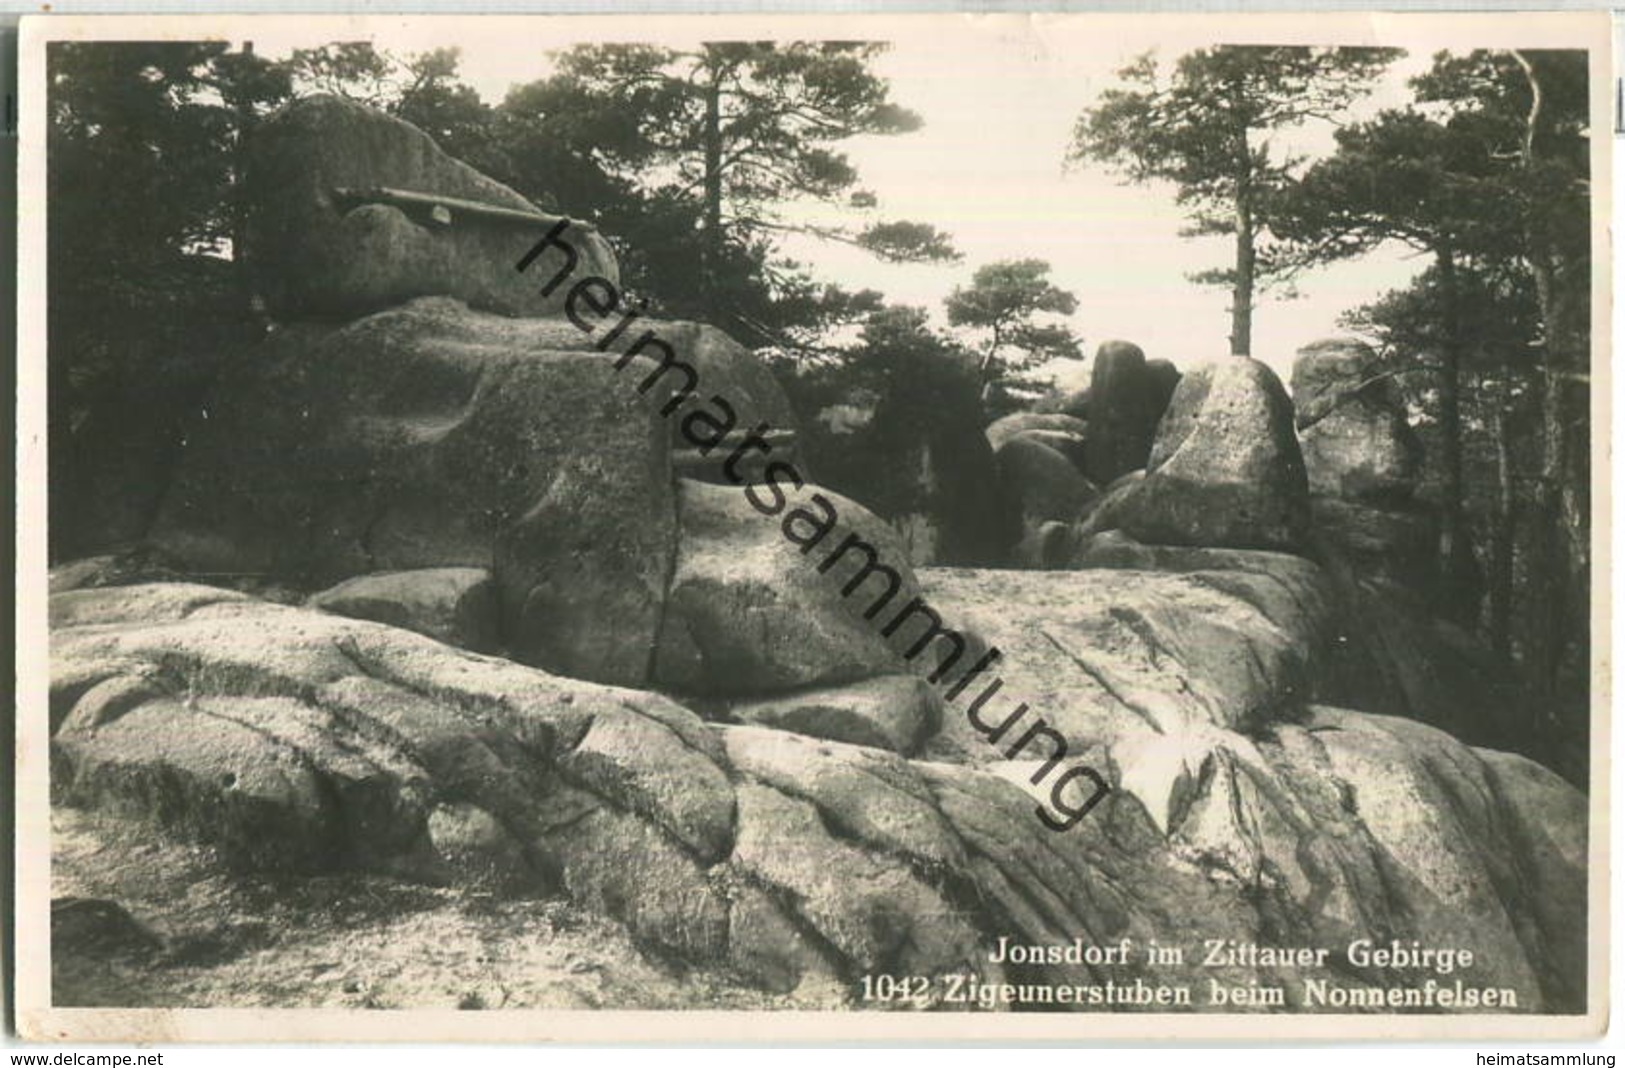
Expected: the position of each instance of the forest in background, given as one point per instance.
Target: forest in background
(683, 157)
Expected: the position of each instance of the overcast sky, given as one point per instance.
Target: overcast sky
(999, 96)
(988, 167)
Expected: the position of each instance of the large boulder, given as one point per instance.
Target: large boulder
(1043, 483)
(1164, 379)
(404, 439)
(432, 435)
(1364, 464)
(753, 611)
(455, 605)
(330, 237)
(1374, 645)
(726, 369)
(1127, 396)
(1396, 542)
(895, 712)
(429, 436)
(1356, 442)
(300, 743)
(1073, 402)
(1063, 433)
(1225, 470)
(1050, 494)
(1020, 424)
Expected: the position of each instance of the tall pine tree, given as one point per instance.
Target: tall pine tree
(1205, 126)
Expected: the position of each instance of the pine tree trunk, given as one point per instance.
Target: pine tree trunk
(1549, 570)
(1241, 294)
(1503, 533)
(1455, 555)
(1552, 567)
(711, 240)
(244, 111)
(986, 370)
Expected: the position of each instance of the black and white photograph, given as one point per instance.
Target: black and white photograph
(949, 525)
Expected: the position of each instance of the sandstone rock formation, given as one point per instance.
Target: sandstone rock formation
(455, 605)
(1127, 396)
(327, 238)
(1064, 433)
(750, 613)
(705, 739)
(1356, 442)
(1225, 470)
(895, 712)
(1048, 488)
(1364, 464)
(413, 438)
(330, 743)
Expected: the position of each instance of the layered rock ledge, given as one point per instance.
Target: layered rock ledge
(292, 740)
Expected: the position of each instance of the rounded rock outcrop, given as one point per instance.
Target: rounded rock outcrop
(1127, 395)
(1356, 442)
(352, 210)
(1225, 470)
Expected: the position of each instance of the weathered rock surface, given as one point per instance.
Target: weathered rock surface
(433, 436)
(328, 743)
(1396, 542)
(1225, 471)
(455, 605)
(896, 712)
(750, 613)
(317, 254)
(1047, 487)
(1356, 442)
(404, 439)
(1127, 396)
(1364, 464)
(1018, 424)
(1204, 706)
(1374, 646)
